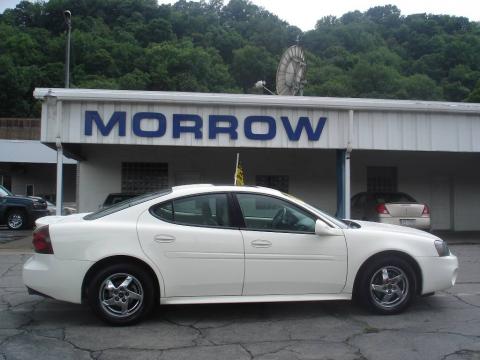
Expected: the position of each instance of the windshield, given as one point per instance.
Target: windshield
(4, 192)
(330, 218)
(125, 204)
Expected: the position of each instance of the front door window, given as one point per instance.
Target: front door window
(267, 213)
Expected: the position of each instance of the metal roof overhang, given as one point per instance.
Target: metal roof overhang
(256, 100)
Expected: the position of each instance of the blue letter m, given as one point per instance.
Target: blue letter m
(118, 117)
(303, 123)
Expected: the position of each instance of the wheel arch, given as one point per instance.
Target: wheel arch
(13, 207)
(119, 259)
(403, 255)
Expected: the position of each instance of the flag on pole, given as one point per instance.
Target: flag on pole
(238, 179)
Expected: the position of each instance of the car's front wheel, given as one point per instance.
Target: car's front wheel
(387, 285)
(121, 294)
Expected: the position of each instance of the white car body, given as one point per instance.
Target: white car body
(195, 264)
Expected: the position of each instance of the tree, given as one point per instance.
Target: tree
(226, 46)
(251, 64)
(474, 96)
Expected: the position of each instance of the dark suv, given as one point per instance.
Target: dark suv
(20, 212)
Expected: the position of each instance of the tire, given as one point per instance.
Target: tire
(117, 304)
(17, 219)
(387, 285)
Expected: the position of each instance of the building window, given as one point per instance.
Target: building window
(381, 179)
(29, 190)
(279, 182)
(141, 178)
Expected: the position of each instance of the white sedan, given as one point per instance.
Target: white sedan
(223, 244)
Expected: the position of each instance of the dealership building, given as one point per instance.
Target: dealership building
(324, 150)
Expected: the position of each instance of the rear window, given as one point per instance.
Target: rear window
(116, 198)
(126, 204)
(382, 198)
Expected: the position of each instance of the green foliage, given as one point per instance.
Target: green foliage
(252, 63)
(217, 46)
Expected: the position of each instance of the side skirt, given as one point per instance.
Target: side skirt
(252, 298)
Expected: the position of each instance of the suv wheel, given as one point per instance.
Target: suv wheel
(16, 219)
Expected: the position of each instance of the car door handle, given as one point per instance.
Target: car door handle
(261, 243)
(164, 238)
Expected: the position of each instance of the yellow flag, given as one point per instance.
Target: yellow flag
(239, 180)
(239, 176)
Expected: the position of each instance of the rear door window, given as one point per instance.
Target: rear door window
(200, 210)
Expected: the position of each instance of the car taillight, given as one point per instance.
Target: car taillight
(426, 211)
(41, 240)
(382, 209)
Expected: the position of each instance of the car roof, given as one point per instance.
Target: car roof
(197, 188)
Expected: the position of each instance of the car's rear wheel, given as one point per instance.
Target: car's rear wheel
(121, 294)
(16, 219)
(387, 285)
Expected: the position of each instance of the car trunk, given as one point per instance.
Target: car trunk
(48, 220)
(409, 210)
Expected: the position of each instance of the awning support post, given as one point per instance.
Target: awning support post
(59, 195)
(343, 174)
(343, 184)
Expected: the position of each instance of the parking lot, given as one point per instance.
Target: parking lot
(443, 326)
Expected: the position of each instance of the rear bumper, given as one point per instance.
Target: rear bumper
(59, 279)
(439, 273)
(422, 223)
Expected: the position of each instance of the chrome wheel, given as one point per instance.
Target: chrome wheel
(121, 295)
(389, 287)
(15, 220)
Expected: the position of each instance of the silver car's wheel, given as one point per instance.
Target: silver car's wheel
(386, 284)
(121, 295)
(16, 220)
(389, 287)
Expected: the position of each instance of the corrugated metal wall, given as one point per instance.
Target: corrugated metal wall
(371, 130)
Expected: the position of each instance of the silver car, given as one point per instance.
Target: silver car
(391, 208)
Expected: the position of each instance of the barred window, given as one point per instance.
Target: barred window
(381, 179)
(278, 182)
(141, 178)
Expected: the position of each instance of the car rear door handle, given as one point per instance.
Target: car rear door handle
(261, 243)
(164, 238)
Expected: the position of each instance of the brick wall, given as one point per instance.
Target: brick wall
(19, 129)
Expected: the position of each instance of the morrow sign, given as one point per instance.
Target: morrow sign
(158, 126)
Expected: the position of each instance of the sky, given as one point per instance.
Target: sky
(305, 13)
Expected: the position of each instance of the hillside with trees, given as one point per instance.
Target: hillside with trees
(216, 46)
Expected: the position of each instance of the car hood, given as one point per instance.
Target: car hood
(369, 225)
(24, 198)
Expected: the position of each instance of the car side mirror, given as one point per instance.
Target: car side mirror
(322, 228)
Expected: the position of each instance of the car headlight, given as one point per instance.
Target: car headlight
(39, 205)
(442, 248)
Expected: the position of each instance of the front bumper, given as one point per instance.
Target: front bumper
(438, 273)
(59, 279)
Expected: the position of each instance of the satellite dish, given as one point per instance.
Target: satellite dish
(291, 72)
